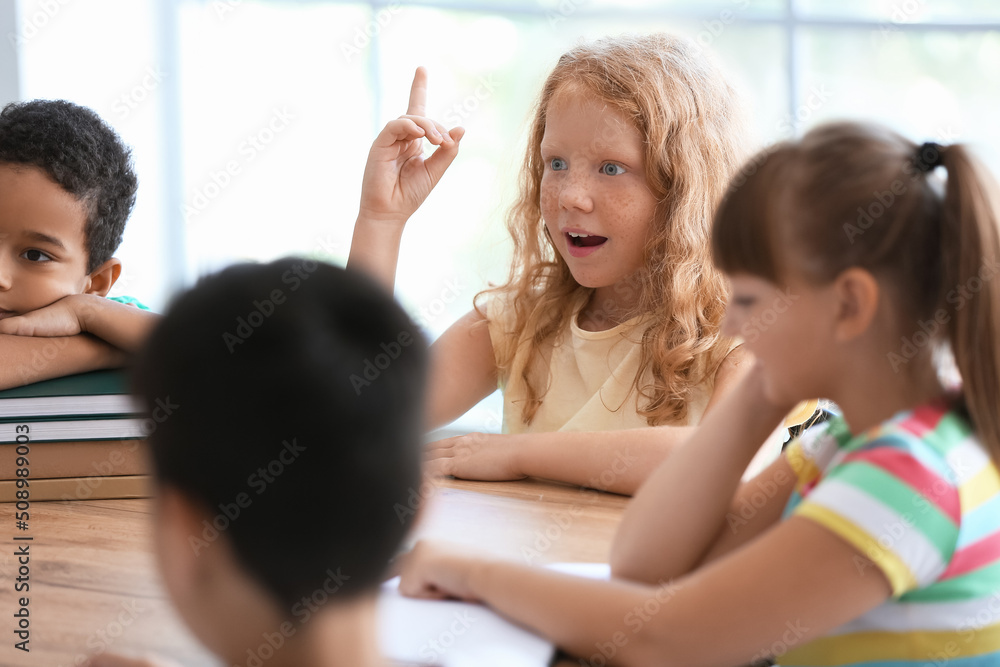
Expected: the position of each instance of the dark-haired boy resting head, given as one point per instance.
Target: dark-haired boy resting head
(301, 468)
(66, 189)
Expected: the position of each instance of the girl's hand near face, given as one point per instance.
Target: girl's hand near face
(681, 511)
(753, 395)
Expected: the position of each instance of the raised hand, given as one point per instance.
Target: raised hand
(397, 180)
(398, 177)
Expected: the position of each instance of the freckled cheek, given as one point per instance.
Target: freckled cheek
(634, 227)
(549, 204)
(548, 197)
(634, 210)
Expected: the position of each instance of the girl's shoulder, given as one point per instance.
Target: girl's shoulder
(936, 433)
(499, 306)
(934, 438)
(503, 304)
(910, 493)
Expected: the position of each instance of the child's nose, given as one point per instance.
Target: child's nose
(6, 274)
(575, 192)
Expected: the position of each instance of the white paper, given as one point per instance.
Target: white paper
(588, 570)
(453, 634)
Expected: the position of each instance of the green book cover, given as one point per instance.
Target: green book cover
(102, 393)
(113, 381)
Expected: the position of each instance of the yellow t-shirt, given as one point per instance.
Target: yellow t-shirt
(590, 377)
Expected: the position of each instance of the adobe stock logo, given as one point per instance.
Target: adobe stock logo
(35, 22)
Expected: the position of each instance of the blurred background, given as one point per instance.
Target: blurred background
(251, 120)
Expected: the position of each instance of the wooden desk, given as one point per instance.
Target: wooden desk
(94, 584)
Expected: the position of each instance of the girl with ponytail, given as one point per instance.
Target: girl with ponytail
(858, 260)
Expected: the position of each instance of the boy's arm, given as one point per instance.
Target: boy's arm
(396, 182)
(123, 326)
(24, 359)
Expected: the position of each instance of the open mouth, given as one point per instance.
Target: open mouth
(585, 240)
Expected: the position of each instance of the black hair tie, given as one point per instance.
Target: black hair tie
(929, 157)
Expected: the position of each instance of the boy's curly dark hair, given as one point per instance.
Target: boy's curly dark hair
(288, 407)
(81, 153)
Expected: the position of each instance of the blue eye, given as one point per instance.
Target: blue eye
(557, 164)
(35, 256)
(611, 169)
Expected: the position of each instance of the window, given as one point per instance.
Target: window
(251, 120)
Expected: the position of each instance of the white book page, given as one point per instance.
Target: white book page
(453, 634)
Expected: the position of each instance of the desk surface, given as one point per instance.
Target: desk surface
(94, 584)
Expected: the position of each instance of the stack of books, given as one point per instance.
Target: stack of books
(83, 437)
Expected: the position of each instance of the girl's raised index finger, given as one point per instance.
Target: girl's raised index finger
(418, 94)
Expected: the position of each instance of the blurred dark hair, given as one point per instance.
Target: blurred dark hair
(300, 385)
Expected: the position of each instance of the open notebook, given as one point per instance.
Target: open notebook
(461, 634)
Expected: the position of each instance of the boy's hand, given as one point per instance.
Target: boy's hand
(122, 325)
(62, 318)
(480, 456)
(397, 177)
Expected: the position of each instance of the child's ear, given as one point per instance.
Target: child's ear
(857, 295)
(101, 279)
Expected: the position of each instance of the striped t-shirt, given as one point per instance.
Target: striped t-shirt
(920, 497)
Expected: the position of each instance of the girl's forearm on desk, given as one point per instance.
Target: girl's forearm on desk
(732, 611)
(553, 603)
(617, 461)
(624, 458)
(577, 614)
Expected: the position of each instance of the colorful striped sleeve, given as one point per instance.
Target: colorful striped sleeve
(895, 502)
(808, 454)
